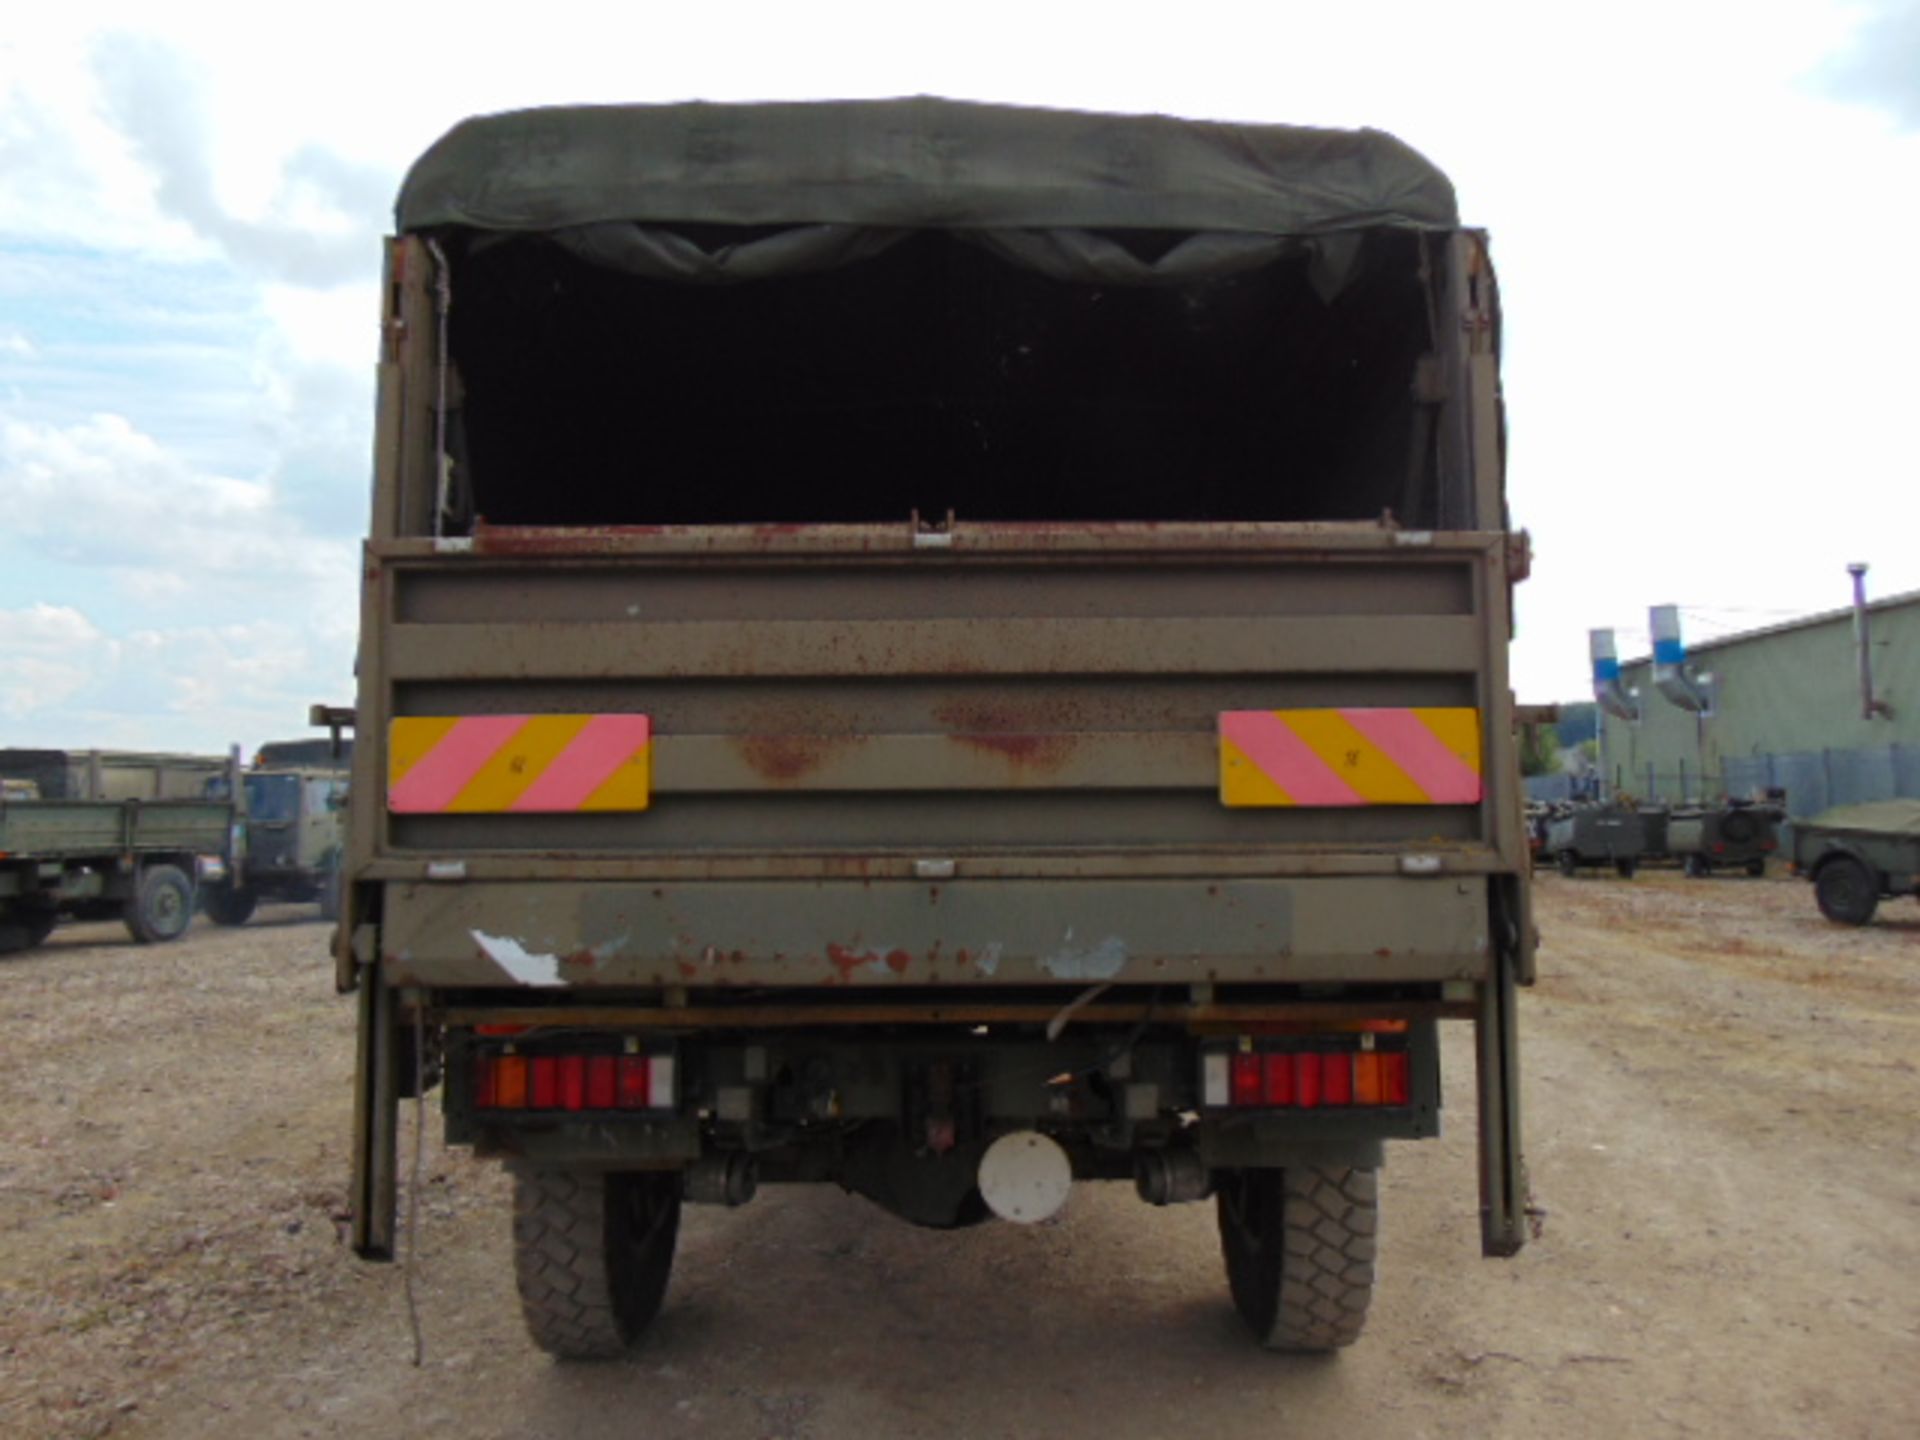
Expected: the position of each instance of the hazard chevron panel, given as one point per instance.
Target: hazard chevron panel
(1419, 756)
(525, 764)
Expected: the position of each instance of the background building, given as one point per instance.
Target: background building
(1787, 712)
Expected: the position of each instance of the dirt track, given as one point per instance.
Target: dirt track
(1723, 1115)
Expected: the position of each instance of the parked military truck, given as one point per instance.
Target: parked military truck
(102, 834)
(941, 649)
(293, 830)
(1857, 855)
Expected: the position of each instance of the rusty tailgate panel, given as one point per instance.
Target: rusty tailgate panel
(991, 932)
(1033, 708)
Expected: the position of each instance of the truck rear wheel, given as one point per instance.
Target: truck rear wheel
(226, 905)
(162, 905)
(1299, 1246)
(591, 1253)
(1846, 892)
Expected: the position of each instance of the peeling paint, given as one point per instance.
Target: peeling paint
(1098, 962)
(511, 956)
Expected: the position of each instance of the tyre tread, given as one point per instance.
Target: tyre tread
(1332, 1223)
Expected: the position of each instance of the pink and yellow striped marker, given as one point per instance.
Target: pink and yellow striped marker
(1415, 756)
(524, 764)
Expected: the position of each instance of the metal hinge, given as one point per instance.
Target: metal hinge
(1519, 555)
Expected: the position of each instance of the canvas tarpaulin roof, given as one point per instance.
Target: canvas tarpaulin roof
(921, 163)
(840, 180)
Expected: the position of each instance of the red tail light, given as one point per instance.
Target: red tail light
(1246, 1079)
(574, 1083)
(632, 1084)
(1306, 1079)
(543, 1083)
(1393, 1077)
(1279, 1080)
(600, 1082)
(1336, 1079)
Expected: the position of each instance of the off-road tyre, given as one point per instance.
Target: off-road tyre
(1625, 868)
(1696, 867)
(1567, 862)
(591, 1255)
(162, 905)
(1299, 1246)
(227, 906)
(1846, 891)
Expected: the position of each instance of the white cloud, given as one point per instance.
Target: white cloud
(65, 681)
(101, 493)
(48, 655)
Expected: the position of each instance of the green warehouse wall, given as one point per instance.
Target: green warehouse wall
(1793, 690)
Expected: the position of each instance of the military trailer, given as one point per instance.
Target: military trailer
(1857, 855)
(1723, 837)
(939, 649)
(1603, 836)
(293, 833)
(106, 834)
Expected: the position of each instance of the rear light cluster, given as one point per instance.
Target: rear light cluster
(1304, 1079)
(573, 1082)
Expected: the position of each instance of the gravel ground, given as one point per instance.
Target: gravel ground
(1723, 1118)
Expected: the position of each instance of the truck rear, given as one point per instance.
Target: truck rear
(940, 649)
(106, 834)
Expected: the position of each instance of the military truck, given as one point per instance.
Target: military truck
(293, 831)
(103, 834)
(940, 649)
(1857, 855)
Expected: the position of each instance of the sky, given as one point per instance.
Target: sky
(1703, 214)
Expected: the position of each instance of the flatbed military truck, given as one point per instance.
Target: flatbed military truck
(103, 834)
(940, 649)
(292, 833)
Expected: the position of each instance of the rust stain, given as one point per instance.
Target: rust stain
(785, 758)
(687, 970)
(1023, 734)
(847, 961)
(1042, 752)
(898, 960)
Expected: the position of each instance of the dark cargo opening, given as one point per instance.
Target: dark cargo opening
(938, 376)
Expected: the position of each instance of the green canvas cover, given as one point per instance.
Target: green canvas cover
(915, 164)
(1878, 817)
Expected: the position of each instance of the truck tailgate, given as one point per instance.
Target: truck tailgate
(992, 754)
